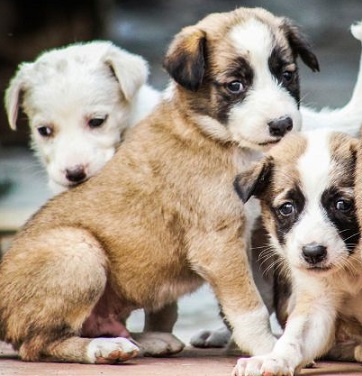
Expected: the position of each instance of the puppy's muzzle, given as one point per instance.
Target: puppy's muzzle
(76, 174)
(314, 253)
(279, 127)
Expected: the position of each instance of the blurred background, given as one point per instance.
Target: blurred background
(146, 28)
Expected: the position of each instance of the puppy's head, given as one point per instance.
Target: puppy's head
(238, 75)
(78, 101)
(306, 189)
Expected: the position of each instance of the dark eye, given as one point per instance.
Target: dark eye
(343, 205)
(96, 122)
(235, 87)
(45, 131)
(287, 76)
(286, 209)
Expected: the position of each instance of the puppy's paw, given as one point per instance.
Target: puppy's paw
(211, 338)
(111, 350)
(263, 365)
(158, 343)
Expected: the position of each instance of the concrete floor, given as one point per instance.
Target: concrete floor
(190, 362)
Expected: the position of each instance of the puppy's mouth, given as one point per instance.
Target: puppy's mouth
(317, 268)
(269, 143)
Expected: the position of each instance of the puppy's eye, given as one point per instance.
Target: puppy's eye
(45, 131)
(96, 122)
(235, 87)
(343, 205)
(288, 76)
(286, 209)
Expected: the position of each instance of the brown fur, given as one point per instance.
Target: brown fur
(161, 218)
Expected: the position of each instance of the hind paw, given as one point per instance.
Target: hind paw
(111, 350)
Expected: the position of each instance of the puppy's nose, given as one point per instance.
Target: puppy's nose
(76, 174)
(314, 253)
(279, 127)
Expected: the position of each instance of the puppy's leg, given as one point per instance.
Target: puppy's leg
(49, 284)
(157, 338)
(162, 320)
(308, 334)
(221, 259)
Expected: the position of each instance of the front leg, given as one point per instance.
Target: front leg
(308, 334)
(222, 262)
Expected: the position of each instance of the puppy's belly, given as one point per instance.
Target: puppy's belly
(108, 317)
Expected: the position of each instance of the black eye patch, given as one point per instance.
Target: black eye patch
(232, 87)
(278, 62)
(287, 214)
(341, 211)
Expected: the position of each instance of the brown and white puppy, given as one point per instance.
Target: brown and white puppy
(306, 189)
(162, 217)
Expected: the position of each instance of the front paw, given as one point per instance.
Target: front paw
(263, 365)
(157, 343)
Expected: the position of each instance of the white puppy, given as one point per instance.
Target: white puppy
(79, 100)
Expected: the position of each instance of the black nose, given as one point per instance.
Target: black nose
(281, 126)
(75, 174)
(314, 253)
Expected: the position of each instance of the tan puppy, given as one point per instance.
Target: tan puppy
(162, 217)
(306, 189)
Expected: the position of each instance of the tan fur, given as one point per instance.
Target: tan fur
(148, 204)
(162, 217)
(159, 220)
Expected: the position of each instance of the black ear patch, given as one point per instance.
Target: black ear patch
(254, 181)
(185, 60)
(299, 45)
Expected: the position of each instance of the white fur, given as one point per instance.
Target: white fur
(254, 332)
(102, 350)
(347, 119)
(64, 89)
(266, 100)
(314, 168)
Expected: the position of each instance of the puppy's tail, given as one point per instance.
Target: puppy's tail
(356, 99)
(356, 30)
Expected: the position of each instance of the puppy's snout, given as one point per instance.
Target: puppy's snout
(314, 253)
(279, 127)
(76, 174)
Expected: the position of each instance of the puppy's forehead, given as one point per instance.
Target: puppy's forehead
(286, 156)
(244, 31)
(314, 161)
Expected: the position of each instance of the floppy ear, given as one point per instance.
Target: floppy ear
(130, 70)
(13, 94)
(185, 60)
(299, 44)
(254, 181)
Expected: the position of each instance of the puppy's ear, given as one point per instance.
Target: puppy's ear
(299, 44)
(13, 93)
(185, 60)
(130, 70)
(255, 180)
